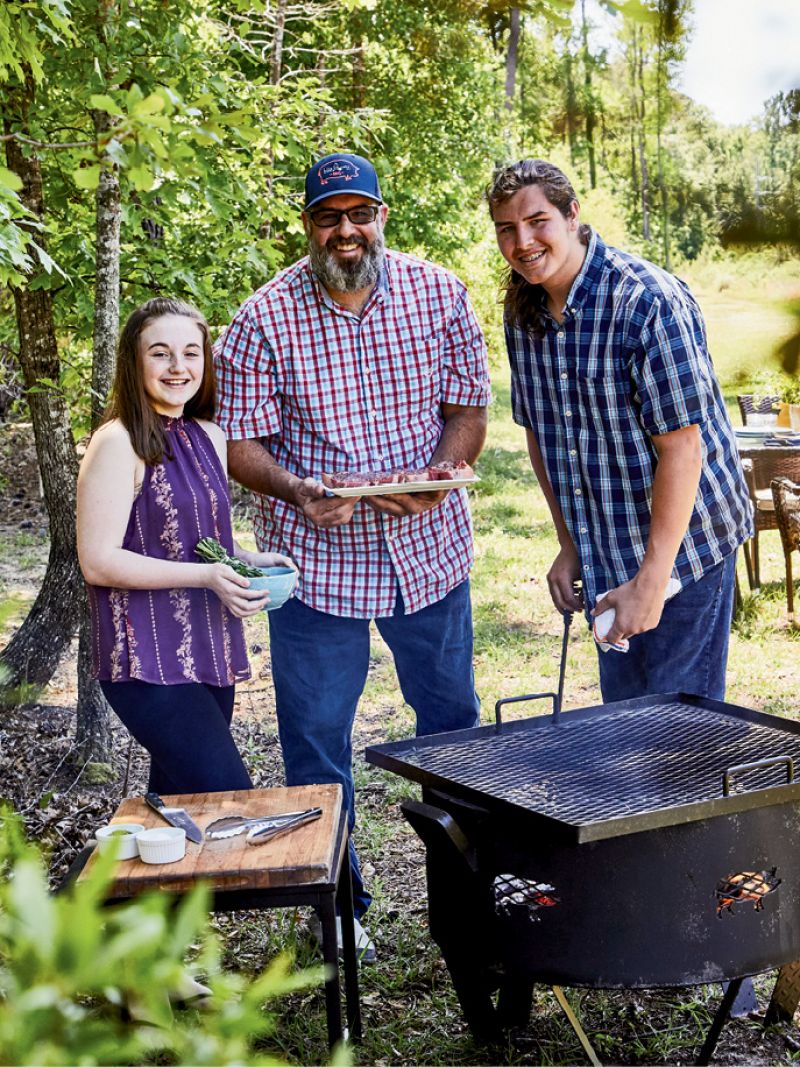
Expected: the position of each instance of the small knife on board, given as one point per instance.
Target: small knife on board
(175, 817)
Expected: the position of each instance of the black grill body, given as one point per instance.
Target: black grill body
(598, 847)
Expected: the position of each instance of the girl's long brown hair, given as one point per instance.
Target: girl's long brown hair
(129, 402)
(521, 304)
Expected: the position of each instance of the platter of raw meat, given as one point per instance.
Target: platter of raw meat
(429, 479)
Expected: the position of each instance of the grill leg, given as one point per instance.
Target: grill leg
(473, 989)
(514, 1001)
(575, 1023)
(785, 996)
(723, 1011)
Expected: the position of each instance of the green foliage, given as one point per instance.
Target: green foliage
(68, 966)
(211, 135)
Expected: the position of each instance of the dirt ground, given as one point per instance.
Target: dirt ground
(39, 777)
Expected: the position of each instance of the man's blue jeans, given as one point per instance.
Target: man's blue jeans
(319, 667)
(688, 650)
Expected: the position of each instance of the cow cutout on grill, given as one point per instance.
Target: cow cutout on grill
(512, 893)
(745, 887)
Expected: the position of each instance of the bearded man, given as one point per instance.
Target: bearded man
(358, 358)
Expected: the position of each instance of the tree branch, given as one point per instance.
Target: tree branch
(46, 144)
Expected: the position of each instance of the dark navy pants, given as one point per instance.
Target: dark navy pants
(319, 667)
(688, 650)
(186, 730)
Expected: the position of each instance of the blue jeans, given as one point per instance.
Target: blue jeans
(688, 650)
(186, 730)
(319, 667)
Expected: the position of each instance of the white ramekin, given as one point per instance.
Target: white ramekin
(162, 844)
(109, 837)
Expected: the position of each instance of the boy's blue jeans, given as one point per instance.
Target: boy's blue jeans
(319, 667)
(688, 650)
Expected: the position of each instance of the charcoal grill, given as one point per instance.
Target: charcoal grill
(645, 843)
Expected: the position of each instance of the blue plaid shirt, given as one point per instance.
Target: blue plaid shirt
(629, 361)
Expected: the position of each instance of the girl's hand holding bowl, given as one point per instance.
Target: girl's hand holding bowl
(279, 578)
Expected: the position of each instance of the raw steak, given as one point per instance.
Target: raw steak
(362, 479)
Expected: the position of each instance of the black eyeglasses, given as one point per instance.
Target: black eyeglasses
(360, 215)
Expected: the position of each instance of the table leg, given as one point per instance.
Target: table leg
(330, 954)
(344, 898)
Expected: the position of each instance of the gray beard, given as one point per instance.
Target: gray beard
(347, 277)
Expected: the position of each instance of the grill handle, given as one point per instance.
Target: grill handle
(558, 697)
(441, 834)
(530, 696)
(757, 765)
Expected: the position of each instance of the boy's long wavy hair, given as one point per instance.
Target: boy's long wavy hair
(521, 304)
(129, 402)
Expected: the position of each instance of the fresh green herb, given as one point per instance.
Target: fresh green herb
(212, 551)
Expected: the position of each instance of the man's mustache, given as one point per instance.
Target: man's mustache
(336, 242)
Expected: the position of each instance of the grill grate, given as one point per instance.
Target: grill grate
(611, 766)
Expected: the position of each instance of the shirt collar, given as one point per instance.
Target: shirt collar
(588, 277)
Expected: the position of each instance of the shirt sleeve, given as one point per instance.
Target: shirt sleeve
(465, 367)
(671, 368)
(248, 403)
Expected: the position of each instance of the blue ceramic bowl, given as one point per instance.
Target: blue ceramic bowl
(279, 583)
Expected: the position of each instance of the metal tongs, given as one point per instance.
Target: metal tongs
(262, 828)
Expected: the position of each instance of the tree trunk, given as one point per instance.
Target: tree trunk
(92, 731)
(106, 293)
(643, 170)
(660, 91)
(570, 85)
(512, 56)
(36, 649)
(276, 56)
(589, 94)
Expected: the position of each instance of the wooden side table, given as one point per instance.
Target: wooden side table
(308, 866)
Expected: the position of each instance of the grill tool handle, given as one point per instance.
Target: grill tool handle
(558, 697)
(757, 765)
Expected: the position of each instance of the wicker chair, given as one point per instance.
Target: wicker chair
(786, 496)
(761, 466)
(748, 405)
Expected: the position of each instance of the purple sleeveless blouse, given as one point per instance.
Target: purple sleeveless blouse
(172, 636)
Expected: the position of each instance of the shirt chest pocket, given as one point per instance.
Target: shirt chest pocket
(405, 376)
(606, 393)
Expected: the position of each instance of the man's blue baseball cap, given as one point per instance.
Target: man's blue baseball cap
(338, 173)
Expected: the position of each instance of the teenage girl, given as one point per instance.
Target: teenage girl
(168, 640)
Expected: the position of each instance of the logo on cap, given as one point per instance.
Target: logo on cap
(337, 170)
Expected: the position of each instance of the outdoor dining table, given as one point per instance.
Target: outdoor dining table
(308, 866)
(764, 460)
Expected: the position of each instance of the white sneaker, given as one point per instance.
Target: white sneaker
(365, 947)
(189, 991)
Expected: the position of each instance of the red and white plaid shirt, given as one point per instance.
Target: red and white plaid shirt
(327, 390)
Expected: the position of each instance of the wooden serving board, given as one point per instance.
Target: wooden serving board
(303, 855)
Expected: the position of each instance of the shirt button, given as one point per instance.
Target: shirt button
(563, 377)
(568, 414)
(573, 451)
(374, 412)
(584, 530)
(578, 492)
